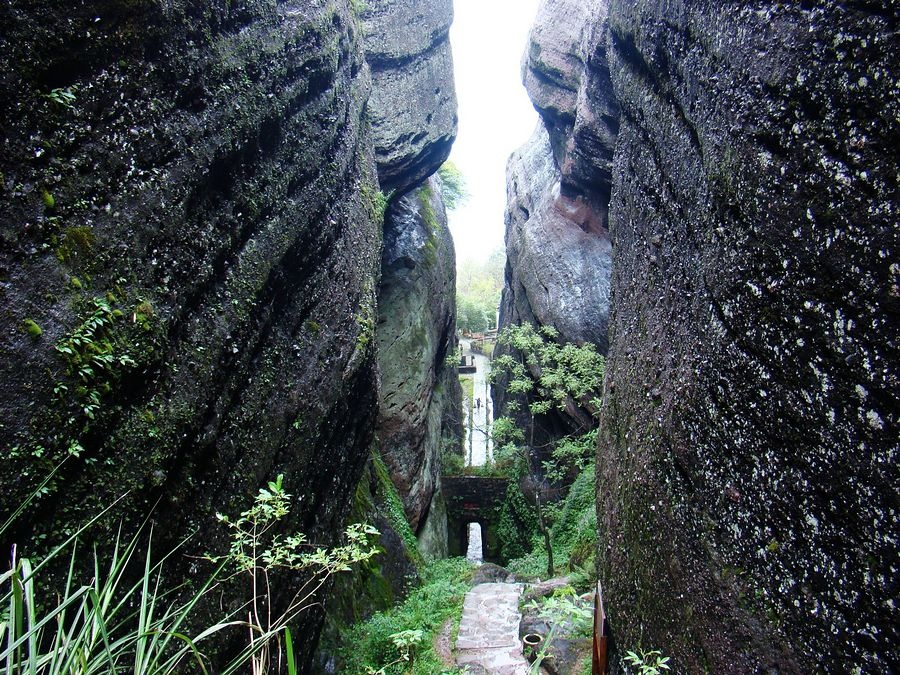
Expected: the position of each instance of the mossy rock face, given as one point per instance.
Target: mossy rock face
(748, 443)
(182, 146)
(383, 581)
(420, 405)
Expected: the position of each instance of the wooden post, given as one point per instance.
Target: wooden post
(599, 660)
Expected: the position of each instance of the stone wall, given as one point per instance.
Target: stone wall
(474, 499)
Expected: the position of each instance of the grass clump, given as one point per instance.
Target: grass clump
(573, 535)
(118, 614)
(378, 644)
(396, 514)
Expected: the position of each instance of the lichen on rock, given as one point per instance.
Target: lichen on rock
(205, 165)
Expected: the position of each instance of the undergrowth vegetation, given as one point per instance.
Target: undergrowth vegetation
(394, 506)
(118, 613)
(379, 644)
(573, 536)
(544, 376)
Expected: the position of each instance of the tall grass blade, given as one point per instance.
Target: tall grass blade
(99, 620)
(145, 613)
(27, 501)
(15, 618)
(289, 647)
(32, 632)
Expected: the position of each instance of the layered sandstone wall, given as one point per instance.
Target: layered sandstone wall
(746, 464)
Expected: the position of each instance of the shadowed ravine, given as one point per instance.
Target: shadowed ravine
(225, 263)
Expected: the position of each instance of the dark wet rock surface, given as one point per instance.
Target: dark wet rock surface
(748, 447)
(189, 206)
(419, 407)
(413, 105)
(233, 285)
(747, 465)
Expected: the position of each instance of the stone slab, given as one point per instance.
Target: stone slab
(488, 639)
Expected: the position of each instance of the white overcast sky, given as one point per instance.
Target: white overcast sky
(495, 115)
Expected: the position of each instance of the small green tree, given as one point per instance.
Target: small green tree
(453, 185)
(542, 374)
(258, 552)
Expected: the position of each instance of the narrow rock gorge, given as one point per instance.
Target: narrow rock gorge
(743, 158)
(224, 257)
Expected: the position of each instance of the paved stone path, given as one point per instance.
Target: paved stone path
(489, 631)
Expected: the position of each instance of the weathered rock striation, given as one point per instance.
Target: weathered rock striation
(189, 257)
(748, 455)
(558, 183)
(413, 116)
(413, 105)
(558, 273)
(559, 256)
(566, 73)
(420, 394)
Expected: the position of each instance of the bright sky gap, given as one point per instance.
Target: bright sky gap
(495, 114)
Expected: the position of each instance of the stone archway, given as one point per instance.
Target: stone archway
(473, 499)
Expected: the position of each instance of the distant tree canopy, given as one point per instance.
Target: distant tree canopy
(453, 186)
(478, 287)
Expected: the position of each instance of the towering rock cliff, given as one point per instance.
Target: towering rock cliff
(558, 250)
(747, 483)
(413, 113)
(413, 104)
(420, 394)
(190, 245)
(188, 288)
(747, 467)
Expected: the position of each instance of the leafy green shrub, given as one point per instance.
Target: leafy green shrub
(63, 97)
(567, 615)
(109, 624)
(648, 663)
(371, 646)
(540, 374)
(573, 535)
(516, 524)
